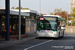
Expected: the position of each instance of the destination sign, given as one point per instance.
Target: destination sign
(41, 18)
(53, 19)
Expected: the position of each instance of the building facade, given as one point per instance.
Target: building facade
(72, 5)
(28, 22)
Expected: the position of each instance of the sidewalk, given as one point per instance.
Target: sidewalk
(4, 43)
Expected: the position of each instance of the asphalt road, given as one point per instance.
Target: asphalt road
(66, 43)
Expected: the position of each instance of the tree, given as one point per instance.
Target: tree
(73, 12)
(57, 13)
(18, 8)
(57, 10)
(22, 8)
(72, 19)
(51, 13)
(73, 16)
(12, 7)
(41, 14)
(63, 14)
(25, 8)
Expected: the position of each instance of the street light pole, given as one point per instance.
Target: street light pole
(40, 7)
(49, 12)
(19, 19)
(7, 11)
(67, 16)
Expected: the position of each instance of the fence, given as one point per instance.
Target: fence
(70, 29)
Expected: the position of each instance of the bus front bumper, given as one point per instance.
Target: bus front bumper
(47, 35)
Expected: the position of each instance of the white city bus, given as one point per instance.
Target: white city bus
(50, 26)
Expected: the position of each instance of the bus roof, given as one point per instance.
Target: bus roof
(53, 16)
(59, 17)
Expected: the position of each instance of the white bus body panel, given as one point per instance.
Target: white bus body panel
(47, 34)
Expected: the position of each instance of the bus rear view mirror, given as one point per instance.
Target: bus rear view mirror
(58, 23)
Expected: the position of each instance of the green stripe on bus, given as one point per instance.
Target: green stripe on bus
(54, 31)
(61, 19)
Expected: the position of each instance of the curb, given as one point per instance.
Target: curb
(17, 42)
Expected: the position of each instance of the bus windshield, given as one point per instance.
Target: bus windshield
(46, 25)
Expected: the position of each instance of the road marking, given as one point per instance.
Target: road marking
(37, 45)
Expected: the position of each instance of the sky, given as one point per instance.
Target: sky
(47, 6)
